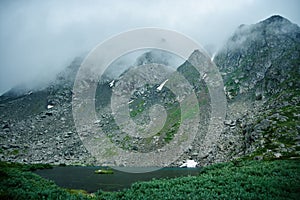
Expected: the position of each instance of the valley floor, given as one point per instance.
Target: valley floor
(239, 179)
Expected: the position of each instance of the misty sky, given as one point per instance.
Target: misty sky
(40, 38)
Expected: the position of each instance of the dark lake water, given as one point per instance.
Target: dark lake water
(85, 178)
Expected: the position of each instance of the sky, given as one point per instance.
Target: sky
(40, 38)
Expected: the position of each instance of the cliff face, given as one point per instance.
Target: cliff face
(262, 58)
(260, 66)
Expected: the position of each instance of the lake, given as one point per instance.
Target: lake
(77, 177)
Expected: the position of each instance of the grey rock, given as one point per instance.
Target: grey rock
(258, 158)
(277, 155)
(5, 146)
(229, 123)
(5, 126)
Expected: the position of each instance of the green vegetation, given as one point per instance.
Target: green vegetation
(110, 152)
(18, 182)
(15, 152)
(279, 179)
(235, 180)
(104, 171)
(280, 135)
(139, 108)
(140, 105)
(277, 127)
(172, 124)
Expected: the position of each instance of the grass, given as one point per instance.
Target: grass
(139, 108)
(104, 171)
(235, 180)
(278, 179)
(18, 182)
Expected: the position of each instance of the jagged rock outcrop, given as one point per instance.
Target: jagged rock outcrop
(260, 65)
(262, 58)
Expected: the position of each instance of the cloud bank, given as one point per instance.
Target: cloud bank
(40, 38)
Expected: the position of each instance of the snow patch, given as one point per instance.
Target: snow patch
(130, 101)
(111, 84)
(189, 164)
(50, 106)
(159, 88)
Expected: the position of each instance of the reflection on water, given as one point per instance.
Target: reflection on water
(85, 178)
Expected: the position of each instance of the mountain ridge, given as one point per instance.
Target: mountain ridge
(260, 69)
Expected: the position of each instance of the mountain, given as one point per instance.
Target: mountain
(263, 58)
(160, 57)
(259, 65)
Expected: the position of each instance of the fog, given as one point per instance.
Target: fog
(39, 38)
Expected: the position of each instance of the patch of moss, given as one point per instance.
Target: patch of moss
(15, 152)
(110, 152)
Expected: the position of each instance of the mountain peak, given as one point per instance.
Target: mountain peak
(249, 56)
(276, 17)
(277, 20)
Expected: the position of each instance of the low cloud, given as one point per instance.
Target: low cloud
(40, 38)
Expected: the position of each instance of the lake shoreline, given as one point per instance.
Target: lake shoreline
(84, 177)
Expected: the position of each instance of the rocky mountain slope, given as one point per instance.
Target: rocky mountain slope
(260, 68)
